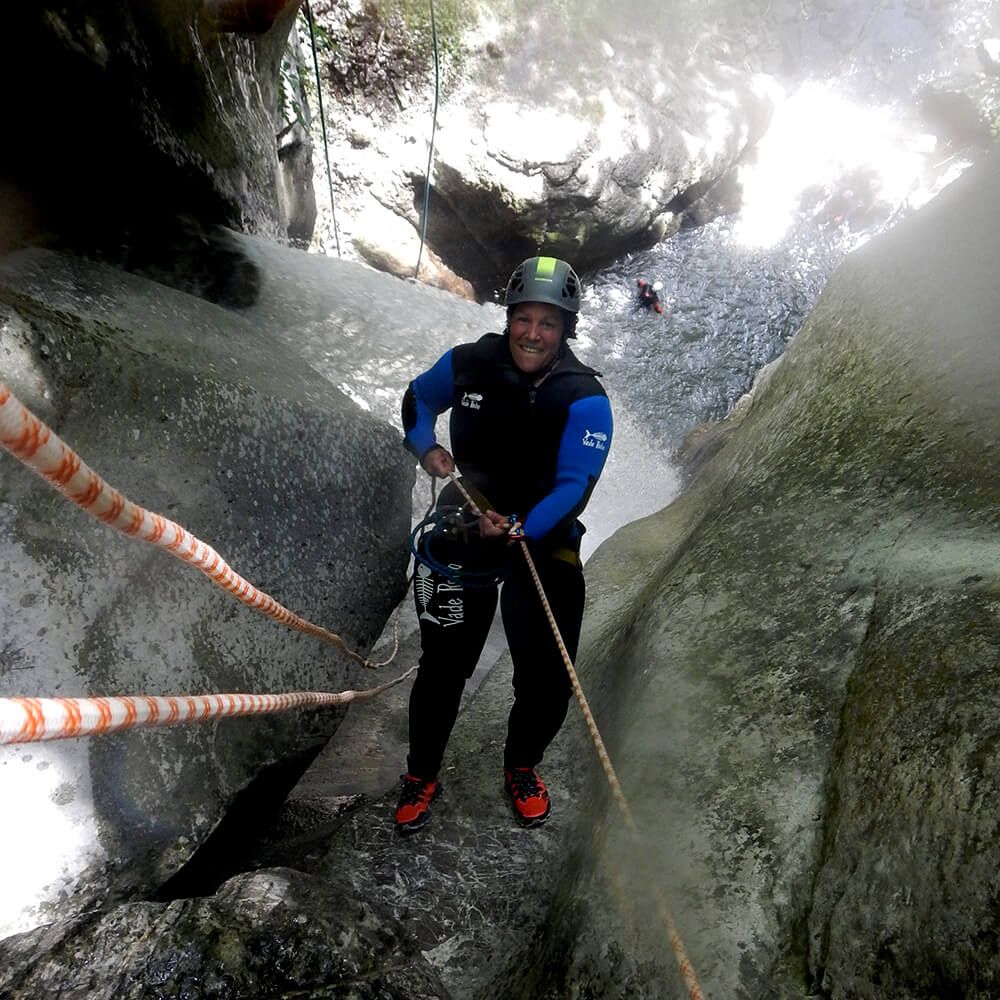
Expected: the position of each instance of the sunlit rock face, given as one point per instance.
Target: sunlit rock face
(806, 652)
(194, 413)
(388, 243)
(586, 168)
(154, 111)
(595, 129)
(592, 173)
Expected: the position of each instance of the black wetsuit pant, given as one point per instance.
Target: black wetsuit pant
(454, 623)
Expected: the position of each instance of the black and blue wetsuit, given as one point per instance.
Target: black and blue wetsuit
(534, 450)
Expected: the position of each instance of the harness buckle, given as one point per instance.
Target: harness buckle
(515, 531)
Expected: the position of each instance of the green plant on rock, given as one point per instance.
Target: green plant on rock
(373, 54)
(451, 20)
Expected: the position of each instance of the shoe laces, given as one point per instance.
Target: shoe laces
(413, 790)
(524, 783)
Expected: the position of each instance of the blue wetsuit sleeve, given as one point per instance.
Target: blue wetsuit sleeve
(584, 447)
(427, 396)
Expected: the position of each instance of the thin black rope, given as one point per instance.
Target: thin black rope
(430, 150)
(322, 119)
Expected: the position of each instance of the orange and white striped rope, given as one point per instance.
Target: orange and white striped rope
(33, 443)
(676, 944)
(33, 720)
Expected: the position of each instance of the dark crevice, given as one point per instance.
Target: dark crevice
(230, 847)
(484, 263)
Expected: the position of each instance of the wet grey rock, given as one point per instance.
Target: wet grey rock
(805, 650)
(295, 192)
(163, 110)
(905, 904)
(270, 933)
(194, 413)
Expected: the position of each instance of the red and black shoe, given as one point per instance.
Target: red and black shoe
(529, 797)
(414, 808)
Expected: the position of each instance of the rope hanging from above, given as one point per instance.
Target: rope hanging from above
(322, 119)
(430, 148)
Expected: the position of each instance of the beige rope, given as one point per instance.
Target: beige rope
(676, 944)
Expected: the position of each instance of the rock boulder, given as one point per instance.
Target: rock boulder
(191, 412)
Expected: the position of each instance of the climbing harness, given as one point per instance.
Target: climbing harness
(322, 121)
(430, 147)
(32, 720)
(677, 946)
(451, 523)
(34, 444)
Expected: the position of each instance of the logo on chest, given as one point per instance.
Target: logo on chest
(595, 439)
(472, 400)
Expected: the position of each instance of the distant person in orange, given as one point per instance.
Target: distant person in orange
(649, 295)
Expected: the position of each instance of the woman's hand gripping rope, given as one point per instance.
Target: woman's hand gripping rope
(491, 524)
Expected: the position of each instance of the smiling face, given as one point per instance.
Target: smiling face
(536, 331)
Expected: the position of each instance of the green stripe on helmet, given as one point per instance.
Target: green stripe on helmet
(545, 269)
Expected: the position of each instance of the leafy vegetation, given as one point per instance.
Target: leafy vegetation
(370, 51)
